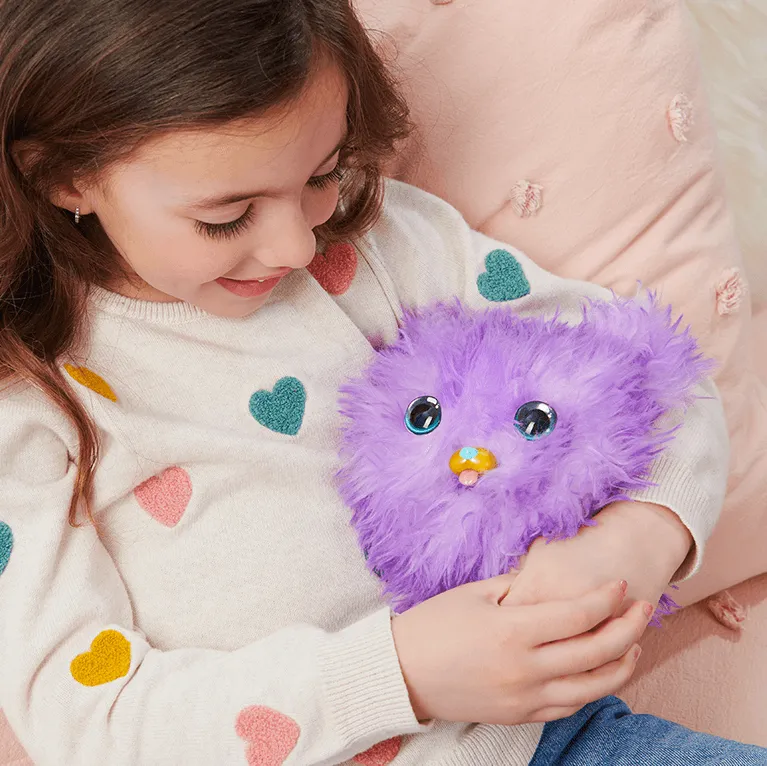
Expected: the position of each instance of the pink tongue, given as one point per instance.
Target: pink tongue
(468, 478)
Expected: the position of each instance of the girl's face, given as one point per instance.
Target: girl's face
(216, 217)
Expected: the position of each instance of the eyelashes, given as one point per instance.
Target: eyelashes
(232, 229)
(229, 230)
(323, 182)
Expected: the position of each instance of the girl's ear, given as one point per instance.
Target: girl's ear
(69, 198)
(64, 195)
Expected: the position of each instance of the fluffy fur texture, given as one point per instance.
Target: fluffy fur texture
(610, 379)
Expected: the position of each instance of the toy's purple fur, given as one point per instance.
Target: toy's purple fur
(610, 379)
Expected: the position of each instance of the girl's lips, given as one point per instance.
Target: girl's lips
(249, 288)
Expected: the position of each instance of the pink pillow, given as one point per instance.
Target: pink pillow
(579, 132)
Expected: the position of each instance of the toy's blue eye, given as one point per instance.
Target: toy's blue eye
(535, 419)
(423, 415)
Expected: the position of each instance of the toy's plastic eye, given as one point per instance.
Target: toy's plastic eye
(535, 419)
(423, 415)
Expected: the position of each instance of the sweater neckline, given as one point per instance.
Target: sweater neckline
(154, 311)
(173, 312)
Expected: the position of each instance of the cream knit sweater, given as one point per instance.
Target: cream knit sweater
(221, 612)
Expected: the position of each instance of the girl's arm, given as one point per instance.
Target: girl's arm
(644, 542)
(81, 685)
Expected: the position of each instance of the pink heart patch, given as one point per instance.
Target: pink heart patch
(381, 754)
(166, 496)
(271, 736)
(335, 268)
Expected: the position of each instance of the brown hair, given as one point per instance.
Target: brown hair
(84, 82)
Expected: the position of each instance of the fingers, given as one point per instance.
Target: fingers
(494, 589)
(578, 690)
(607, 643)
(557, 620)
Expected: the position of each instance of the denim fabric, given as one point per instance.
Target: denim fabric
(607, 732)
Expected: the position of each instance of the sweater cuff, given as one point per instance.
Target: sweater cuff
(365, 690)
(676, 489)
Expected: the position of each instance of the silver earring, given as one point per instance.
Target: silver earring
(77, 215)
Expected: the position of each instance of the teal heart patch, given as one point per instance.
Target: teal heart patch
(6, 545)
(282, 409)
(504, 279)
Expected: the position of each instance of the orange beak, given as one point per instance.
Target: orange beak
(469, 462)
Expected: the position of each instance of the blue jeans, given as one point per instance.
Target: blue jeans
(607, 733)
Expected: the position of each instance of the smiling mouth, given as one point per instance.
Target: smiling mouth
(268, 278)
(251, 288)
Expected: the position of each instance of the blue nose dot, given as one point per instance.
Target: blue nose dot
(468, 453)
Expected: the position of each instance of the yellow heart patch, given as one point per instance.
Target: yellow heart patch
(107, 660)
(89, 379)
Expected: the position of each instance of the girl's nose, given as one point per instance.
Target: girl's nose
(289, 241)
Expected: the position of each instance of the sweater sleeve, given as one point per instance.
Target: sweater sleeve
(82, 685)
(429, 253)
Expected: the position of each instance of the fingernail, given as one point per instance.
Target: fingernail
(648, 610)
(637, 652)
(624, 586)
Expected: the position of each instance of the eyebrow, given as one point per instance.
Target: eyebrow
(229, 199)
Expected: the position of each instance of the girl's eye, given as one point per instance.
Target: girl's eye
(423, 415)
(231, 229)
(228, 230)
(535, 420)
(323, 182)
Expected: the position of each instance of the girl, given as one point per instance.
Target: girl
(178, 580)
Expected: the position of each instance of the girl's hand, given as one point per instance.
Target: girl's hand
(466, 658)
(642, 543)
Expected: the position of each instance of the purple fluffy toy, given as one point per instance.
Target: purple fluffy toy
(477, 432)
